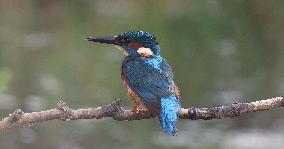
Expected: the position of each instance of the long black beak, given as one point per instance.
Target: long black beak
(104, 39)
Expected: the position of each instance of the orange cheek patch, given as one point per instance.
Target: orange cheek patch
(135, 46)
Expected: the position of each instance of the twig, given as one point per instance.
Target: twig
(114, 110)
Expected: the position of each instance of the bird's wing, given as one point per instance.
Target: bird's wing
(150, 79)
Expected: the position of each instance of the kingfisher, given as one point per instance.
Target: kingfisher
(147, 76)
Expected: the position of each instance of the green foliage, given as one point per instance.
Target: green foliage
(5, 77)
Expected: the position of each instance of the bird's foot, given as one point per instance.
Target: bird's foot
(135, 109)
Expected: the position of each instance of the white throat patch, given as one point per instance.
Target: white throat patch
(145, 52)
(120, 48)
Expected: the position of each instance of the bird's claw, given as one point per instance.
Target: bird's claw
(135, 109)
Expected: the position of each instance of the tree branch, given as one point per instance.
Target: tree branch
(114, 110)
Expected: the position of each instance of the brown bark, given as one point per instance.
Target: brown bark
(114, 110)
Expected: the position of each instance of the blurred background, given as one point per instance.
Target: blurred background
(221, 52)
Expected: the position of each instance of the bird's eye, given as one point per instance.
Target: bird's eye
(126, 40)
(123, 40)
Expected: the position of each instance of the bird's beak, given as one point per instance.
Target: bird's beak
(104, 39)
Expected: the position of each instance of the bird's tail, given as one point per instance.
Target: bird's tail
(169, 113)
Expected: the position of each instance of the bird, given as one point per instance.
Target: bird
(147, 76)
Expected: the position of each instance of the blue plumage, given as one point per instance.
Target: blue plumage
(168, 117)
(152, 80)
(147, 76)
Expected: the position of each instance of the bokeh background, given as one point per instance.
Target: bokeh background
(221, 52)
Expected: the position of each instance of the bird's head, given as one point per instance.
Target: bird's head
(132, 43)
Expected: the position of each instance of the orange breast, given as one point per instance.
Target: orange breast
(134, 96)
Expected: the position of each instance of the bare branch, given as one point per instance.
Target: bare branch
(114, 110)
